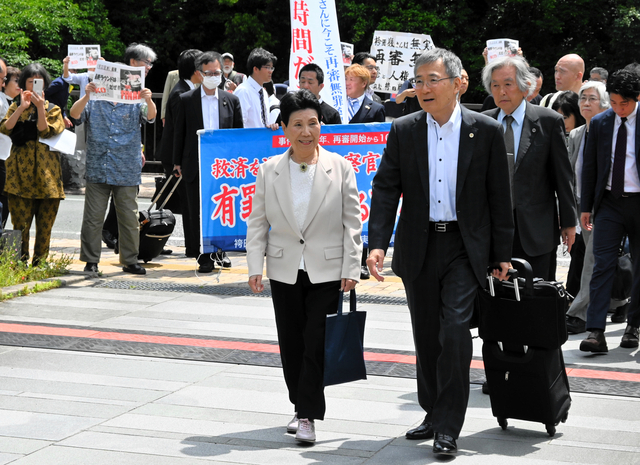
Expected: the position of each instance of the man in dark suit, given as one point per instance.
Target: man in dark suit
(189, 77)
(205, 108)
(361, 110)
(311, 77)
(611, 190)
(450, 167)
(539, 165)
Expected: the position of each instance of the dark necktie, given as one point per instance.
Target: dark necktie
(510, 146)
(617, 178)
(264, 119)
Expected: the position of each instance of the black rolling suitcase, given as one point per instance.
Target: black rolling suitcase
(156, 226)
(522, 324)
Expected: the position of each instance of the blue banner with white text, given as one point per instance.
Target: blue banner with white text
(229, 163)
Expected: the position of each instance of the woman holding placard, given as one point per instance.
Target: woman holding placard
(34, 176)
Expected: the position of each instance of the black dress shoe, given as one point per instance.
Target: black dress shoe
(91, 267)
(134, 269)
(223, 260)
(444, 444)
(424, 431)
(166, 252)
(108, 238)
(620, 314)
(364, 272)
(576, 325)
(485, 388)
(595, 342)
(207, 267)
(630, 337)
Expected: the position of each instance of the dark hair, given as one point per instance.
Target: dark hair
(567, 103)
(138, 52)
(625, 83)
(296, 101)
(258, 58)
(208, 57)
(187, 63)
(12, 72)
(535, 71)
(633, 67)
(34, 69)
(312, 67)
(358, 58)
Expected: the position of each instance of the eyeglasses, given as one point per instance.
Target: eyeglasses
(211, 73)
(270, 68)
(464, 78)
(430, 83)
(590, 99)
(372, 67)
(147, 63)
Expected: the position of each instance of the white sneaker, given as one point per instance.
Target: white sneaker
(292, 426)
(306, 430)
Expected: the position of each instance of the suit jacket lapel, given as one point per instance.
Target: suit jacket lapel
(363, 111)
(223, 110)
(466, 148)
(321, 183)
(282, 187)
(530, 127)
(420, 136)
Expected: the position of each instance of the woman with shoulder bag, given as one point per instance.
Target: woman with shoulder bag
(34, 176)
(306, 218)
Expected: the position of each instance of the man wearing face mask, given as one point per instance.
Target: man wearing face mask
(205, 108)
(230, 74)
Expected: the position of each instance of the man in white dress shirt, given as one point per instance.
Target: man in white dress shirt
(253, 98)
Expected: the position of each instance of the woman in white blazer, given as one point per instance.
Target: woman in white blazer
(306, 219)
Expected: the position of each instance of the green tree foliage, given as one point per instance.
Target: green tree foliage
(40, 30)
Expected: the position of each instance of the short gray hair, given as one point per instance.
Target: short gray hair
(604, 74)
(601, 89)
(139, 52)
(525, 79)
(452, 64)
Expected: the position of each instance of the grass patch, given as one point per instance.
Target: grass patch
(26, 290)
(14, 271)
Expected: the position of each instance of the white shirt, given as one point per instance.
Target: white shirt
(444, 144)
(210, 111)
(301, 185)
(190, 84)
(249, 97)
(631, 180)
(516, 125)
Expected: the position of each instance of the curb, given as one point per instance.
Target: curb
(65, 280)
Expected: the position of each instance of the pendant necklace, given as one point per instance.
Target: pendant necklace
(304, 167)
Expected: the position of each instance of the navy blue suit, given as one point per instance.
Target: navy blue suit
(612, 219)
(369, 112)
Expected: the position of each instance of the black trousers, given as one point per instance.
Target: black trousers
(441, 302)
(191, 222)
(575, 268)
(301, 310)
(541, 264)
(191, 249)
(615, 217)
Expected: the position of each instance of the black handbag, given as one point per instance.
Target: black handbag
(623, 278)
(343, 344)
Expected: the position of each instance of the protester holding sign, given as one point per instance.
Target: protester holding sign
(306, 218)
(34, 177)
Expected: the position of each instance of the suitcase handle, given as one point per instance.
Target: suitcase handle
(154, 201)
(524, 271)
(511, 273)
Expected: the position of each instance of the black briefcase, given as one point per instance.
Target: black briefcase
(523, 311)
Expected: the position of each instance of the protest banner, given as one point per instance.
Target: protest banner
(396, 54)
(315, 39)
(497, 48)
(347, 53)
(83, 56)
(118, 83)
(229, 163)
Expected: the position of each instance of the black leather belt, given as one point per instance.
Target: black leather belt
(444, 226)
(631, 194)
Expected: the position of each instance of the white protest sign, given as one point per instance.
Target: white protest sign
(396, 54)
(118, 83)
(65, 142)
(498, 48)
(83, 56)
(347, 53)
(315, 39)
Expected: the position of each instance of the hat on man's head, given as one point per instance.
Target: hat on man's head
(227, 55)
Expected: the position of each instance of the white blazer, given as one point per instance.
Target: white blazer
(330, 238)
